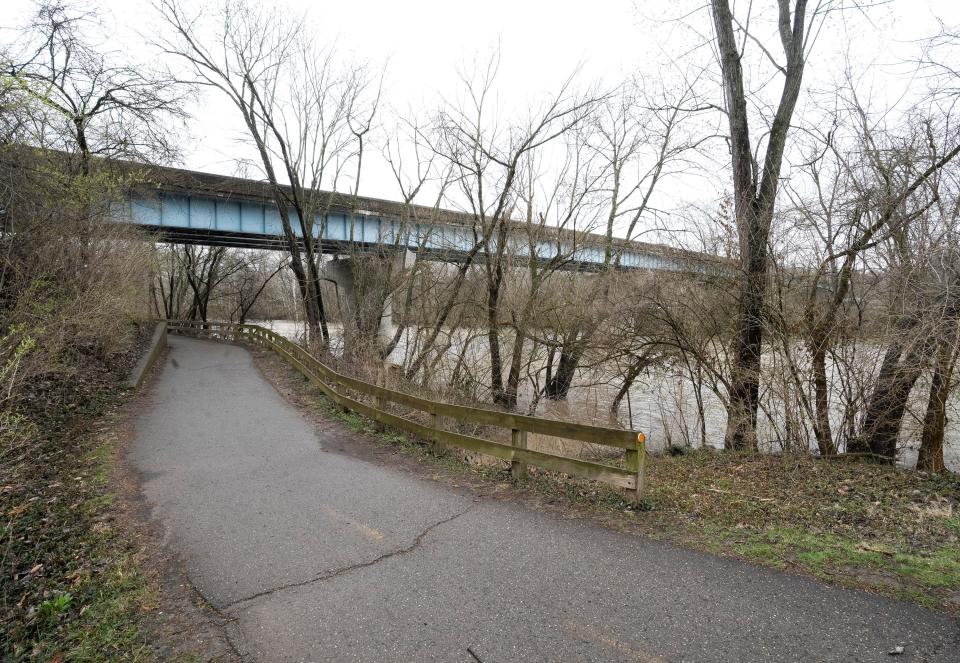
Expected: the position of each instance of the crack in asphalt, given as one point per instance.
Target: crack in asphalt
(327, 575)
(226, 619)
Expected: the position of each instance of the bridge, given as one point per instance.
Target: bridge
(191, 207)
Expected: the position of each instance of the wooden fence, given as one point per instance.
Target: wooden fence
(337, 387)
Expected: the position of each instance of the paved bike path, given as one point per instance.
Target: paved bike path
(318, 556)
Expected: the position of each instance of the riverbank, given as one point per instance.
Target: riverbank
(849, 522)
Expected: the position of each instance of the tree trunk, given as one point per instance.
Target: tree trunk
(307, 277)
(744, 399)
(493, 341)
(888, 402)
(79, 124)
(558, 386)
(754, 200)
(821, 398)
(512, 391)
(930, 457)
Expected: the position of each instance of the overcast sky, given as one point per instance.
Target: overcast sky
(423, 42)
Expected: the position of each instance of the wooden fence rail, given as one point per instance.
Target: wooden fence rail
(335, 385)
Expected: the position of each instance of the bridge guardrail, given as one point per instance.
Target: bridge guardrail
(630, 477)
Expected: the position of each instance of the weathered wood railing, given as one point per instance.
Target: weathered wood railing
(630, 477)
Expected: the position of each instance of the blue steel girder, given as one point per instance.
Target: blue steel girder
(194, 218)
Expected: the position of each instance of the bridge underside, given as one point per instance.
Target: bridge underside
(242, 240)
(248, 240)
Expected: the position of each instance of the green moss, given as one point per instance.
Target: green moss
(882, 566)
(940, 569)
(99, 458)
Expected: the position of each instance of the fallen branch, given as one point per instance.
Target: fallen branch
(730, 492)
(853, 454)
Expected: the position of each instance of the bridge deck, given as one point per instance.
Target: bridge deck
(201, 208)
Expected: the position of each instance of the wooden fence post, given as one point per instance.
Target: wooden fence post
(636, 460)
(435, 441)
(378, 403)
(518, 439)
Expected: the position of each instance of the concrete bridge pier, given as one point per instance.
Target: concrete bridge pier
(365, 284)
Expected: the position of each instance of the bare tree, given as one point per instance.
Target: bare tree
(408, 145)
(245, 287)
(168, 288)
(104, 106)
(638, 137)
(944, 353)
(296, 106)
(485, 160)
(755, 187)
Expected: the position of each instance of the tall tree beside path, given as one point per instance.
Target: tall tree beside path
(755, 187)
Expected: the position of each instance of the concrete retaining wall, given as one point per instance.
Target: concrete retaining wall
(157, 343)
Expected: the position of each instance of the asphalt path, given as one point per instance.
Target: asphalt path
(314, 555)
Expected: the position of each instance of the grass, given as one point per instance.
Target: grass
(858, 524)
(73, 588)
(922, 578)
(854, 523)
